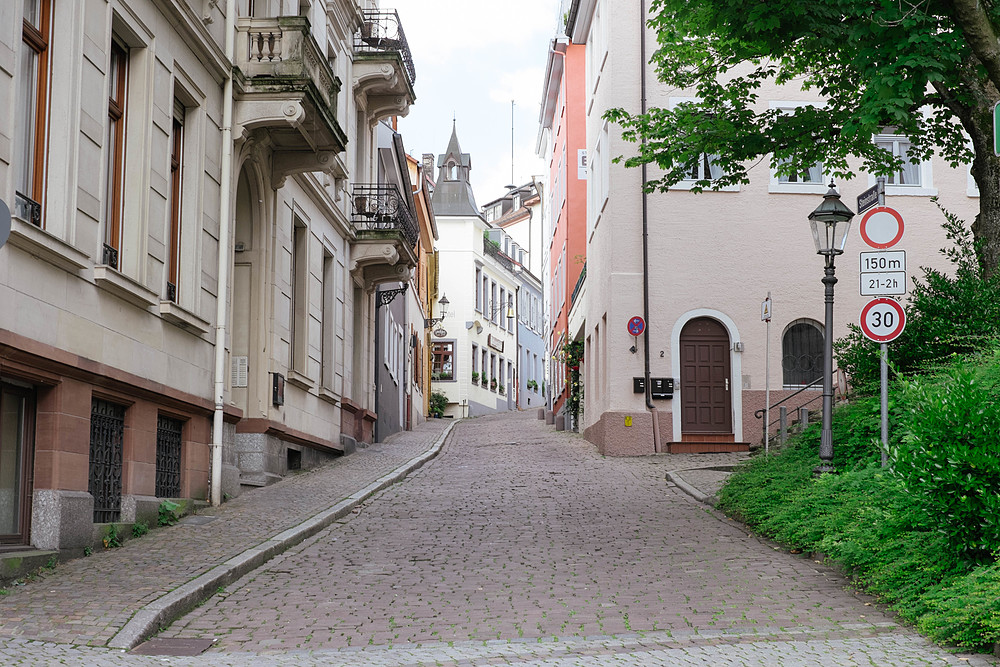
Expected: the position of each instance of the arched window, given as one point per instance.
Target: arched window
(802, 354)
(452, 171)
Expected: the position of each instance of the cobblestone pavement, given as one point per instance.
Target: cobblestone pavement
(88, 600)
(518, 545)
(520, 536)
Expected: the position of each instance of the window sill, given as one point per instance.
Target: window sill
(46, 247)
(797, 188)
(124, 287)
(687, 185)
(909, 191)
(329, 396)
(183, 318)
(300, 380)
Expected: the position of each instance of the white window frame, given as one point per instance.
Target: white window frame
(689, 183)
(777, 186)
(926, 186)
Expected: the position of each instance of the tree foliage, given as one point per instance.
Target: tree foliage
(928, 69)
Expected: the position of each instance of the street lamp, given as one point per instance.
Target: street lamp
(431, 321)
(830, 222)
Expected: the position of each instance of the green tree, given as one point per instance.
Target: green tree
(927, 68)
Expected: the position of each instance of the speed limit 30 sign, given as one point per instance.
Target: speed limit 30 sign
(882, 320)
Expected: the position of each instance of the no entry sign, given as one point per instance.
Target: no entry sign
(882, 227)
(882, 320)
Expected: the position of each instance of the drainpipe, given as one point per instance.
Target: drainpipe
(657, 448)
(225, 246)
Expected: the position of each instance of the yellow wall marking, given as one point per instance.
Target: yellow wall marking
(628, 420)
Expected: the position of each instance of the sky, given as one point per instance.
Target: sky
(472, 57)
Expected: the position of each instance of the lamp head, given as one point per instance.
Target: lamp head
(830, 222)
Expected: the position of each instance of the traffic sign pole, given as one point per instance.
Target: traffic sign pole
(884, 372)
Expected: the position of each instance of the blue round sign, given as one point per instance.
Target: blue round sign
(636, 326)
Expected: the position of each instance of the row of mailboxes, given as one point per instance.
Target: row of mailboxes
(660, 388)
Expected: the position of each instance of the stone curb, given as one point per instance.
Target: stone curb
(160, 612)
(679, 482)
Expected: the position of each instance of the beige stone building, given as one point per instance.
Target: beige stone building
(711, 260)
(186, 296)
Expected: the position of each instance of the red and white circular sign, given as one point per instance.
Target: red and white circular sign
(882, 320)
(882, 227)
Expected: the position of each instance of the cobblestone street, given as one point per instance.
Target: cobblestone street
(517, 544)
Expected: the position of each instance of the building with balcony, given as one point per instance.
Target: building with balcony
(197, 242)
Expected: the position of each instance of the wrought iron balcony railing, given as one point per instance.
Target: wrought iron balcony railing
(383, 33)
(492, 248)
(579, 285)
(381, 208)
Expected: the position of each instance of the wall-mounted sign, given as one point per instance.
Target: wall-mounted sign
(581, 164)
(495, 343)
(636, 326)
(440, 333)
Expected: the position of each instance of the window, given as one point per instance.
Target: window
(493, 302)
(328, 324)
(479, 290)
(501, 308)
(299, 301)
(107, 437)
(812, 180)
(114, 153)
(802, 354)
(475, 358)
(486, 282)
(442, 366)
(911, 179)
(510, 312)
(168, 457)
(493, 371)
(176, 176)
(32, 106)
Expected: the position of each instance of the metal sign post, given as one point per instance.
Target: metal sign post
(765, 314)
(884, 369)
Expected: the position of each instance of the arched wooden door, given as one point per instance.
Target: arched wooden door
(706, 398)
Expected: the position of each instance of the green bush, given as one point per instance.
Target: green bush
(949, 458)
(954, 313)
(967, 611)
(139, 529)
(438, 403)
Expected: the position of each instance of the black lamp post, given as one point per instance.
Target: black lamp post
(431, 321)
(830, 222)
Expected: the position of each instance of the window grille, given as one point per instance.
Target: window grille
(107, 434)
(168, 457)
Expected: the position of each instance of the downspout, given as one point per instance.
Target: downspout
(645, 240)
(225, 245)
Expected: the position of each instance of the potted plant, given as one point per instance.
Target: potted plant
(493, 384)
(501, 389)
(475, 377)
(438, 403)
(532, 385)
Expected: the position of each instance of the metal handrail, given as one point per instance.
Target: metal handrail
(759, 414)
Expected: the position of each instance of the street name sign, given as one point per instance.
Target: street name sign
(883, 273)
(882, 320)
(881, 227)
(867, 199)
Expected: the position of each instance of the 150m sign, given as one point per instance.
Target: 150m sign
(882, 320)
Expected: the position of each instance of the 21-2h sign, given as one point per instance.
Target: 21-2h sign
(882, 320)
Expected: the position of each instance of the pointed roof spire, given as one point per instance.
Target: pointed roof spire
(453, 195)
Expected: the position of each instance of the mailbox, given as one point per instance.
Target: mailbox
(661, 387)
(638, 385)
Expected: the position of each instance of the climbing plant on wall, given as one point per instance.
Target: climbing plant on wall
(572, 354)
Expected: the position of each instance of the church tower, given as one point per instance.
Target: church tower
(453, 191)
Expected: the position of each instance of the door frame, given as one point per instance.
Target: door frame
(735, 368)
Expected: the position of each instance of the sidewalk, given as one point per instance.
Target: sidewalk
(119, 597)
